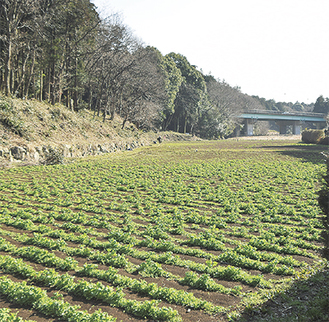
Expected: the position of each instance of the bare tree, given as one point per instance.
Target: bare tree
(107, 63)
(228, 103)
(143, 88)
(14, 29)
(124, 76)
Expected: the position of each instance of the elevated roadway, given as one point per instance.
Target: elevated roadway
(283, 119)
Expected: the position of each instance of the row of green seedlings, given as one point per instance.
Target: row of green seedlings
(156, 233)
(9, 316)
(225, 204)
(34, 297)
(221, 219)
(151, 266)
(228, 256)
(232, 257)
(167, 192)
(294, 239)
(307, 234)
(224, 216)
(162, 172)
(119, 180)
(159, 232)
(219, 222)
(208, 240)
(148, 268)
(169, 246)
(263, 211)
(60, 216)
(266, 241)
(113, 297)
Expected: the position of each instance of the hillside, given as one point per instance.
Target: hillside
(29, 127)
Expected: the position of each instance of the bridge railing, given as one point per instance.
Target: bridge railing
(270, 112)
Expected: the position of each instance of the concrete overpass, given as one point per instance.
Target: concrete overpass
(285, 119)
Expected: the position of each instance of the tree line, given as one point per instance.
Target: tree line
(61, 51)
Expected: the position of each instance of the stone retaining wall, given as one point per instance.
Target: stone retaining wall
(37, 154)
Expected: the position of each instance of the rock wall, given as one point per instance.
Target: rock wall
(36, 154)
(31, 153)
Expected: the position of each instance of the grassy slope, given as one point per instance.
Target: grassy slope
(307, 300)
(34, 123)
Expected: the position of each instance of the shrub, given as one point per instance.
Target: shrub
(5, 105)
(10, 119)
(312, 136)
(53, 156)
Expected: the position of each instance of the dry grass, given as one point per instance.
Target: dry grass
(40, 122)
(33, 123)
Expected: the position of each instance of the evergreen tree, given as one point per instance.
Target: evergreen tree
(191, 100)
(321, 105)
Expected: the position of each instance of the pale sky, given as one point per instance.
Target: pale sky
(276, 49)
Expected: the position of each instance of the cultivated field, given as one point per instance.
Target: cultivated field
(195, 231)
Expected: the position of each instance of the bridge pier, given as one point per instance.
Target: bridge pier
(296, 127)
(283, 127)
(249, 126)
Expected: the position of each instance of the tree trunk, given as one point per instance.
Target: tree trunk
(104, 113)
(75, 95)
(21, 83)
(8, 68)
(112, 110)
(30, 76)
(123, 123)
(99, 102)
(90, 98)
(41, 85)
(52, 88)
(49, 81)
(192, 130)
(61, 83)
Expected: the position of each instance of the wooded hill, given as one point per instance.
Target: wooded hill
(61, 51)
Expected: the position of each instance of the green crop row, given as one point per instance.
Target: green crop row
(82, 288)
(6, 315)
(22, 294)
(169, 246)
(206, 218)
